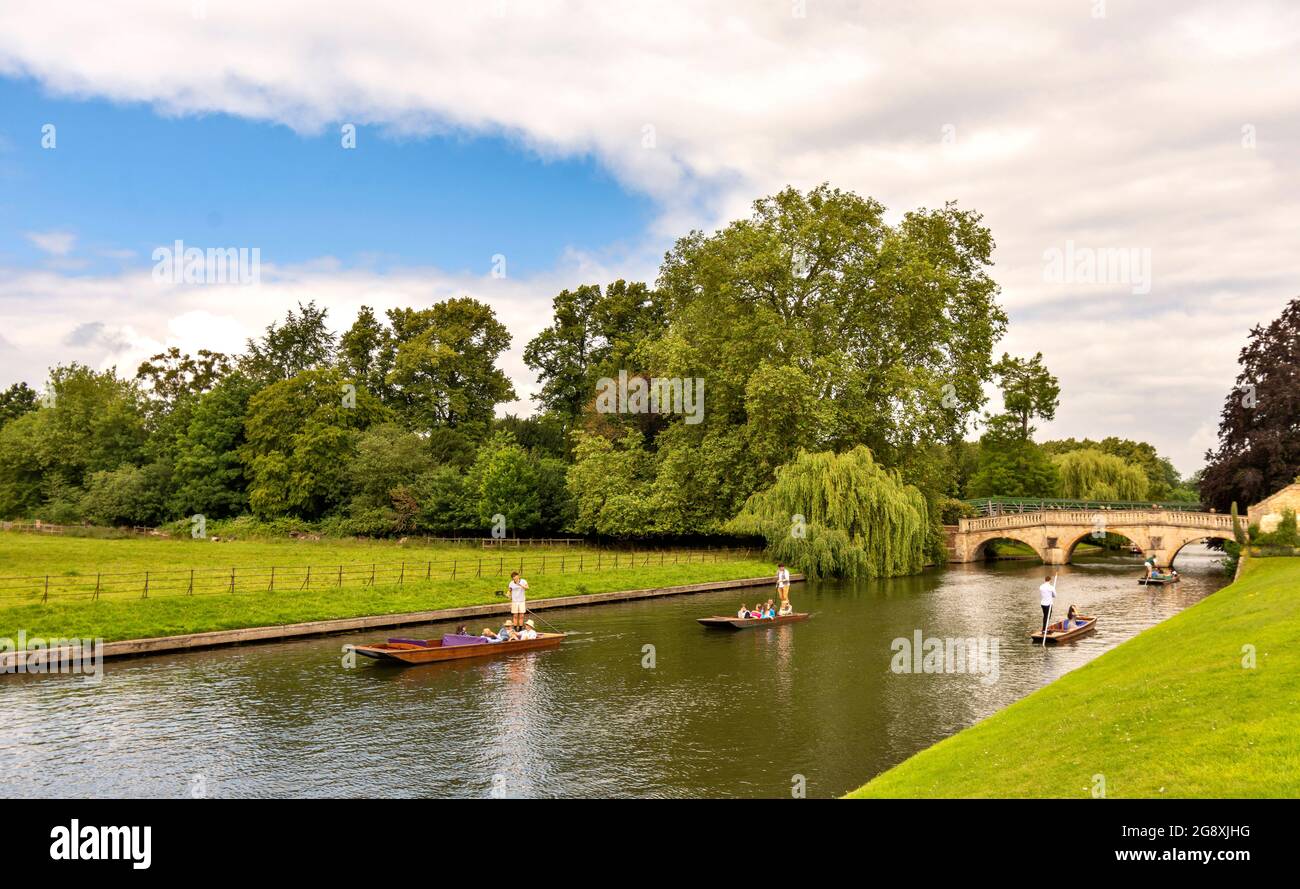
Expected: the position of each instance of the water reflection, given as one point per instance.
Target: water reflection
(721, 713)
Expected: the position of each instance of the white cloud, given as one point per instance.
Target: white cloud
(121, 320)
(1122, 131)
(54, 243)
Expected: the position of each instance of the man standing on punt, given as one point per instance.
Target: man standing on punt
(1046, 596)
(518, 607)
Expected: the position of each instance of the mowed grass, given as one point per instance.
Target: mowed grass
(123, 613)
(1172, 712)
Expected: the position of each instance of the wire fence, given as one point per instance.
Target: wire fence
(51, 528)
(170, 583)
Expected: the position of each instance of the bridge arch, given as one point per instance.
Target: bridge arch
(978, 545)
(1216, 535)
(1136, 536)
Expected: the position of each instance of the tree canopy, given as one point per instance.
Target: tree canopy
(1258, 452)
(1089, 474)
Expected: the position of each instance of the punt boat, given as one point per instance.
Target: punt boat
(749, 623)
(1056, 632)
(1158, 580)
(450, 648)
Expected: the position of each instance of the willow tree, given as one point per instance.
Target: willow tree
(1089, 474)
(839, 515)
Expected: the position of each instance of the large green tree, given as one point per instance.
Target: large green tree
(303, 341)
(445, 366)
(208, 474)
(366, 353)
(814, 324)
(15, 401)
(593, 333)
(173, 375)
(1010, 465)
(300, 435)
(1029, 390)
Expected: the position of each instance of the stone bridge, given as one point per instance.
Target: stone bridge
(1053, 533)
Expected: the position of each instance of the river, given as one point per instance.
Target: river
(811, 706)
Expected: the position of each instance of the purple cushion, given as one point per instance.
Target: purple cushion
(452, 639)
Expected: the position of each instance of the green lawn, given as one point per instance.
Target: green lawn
(1172, 712)
(122, 612)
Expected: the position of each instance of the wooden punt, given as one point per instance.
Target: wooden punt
(430, 651)
(1056, 634)
(1158, 580)
(749, 623)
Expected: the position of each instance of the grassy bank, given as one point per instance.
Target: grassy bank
(423, 581)
(1172, 712)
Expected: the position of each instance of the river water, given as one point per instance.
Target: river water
(813, 705)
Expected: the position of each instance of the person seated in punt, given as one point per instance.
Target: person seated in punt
(529, 631)
(786, 608)
(489, 636)
(1072, 619)
(769, 611)
(743, 613)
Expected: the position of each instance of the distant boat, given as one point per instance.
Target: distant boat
(749, 623)
(1057, 633)
(450, 648)
(1159, 579)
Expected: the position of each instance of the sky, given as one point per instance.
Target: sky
(509, 149)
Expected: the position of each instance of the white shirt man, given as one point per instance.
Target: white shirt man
(1047, 593)
(1046, 596)
(518, 607)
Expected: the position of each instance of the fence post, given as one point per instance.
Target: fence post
(340, 576)
(453, 569)
(96, 597)
(273, 578)
(306, 584)
(372, 573)
(480, 567)
(401, 578)
(45, 597)
(232, 581)
(191, 589)
(146, 585)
